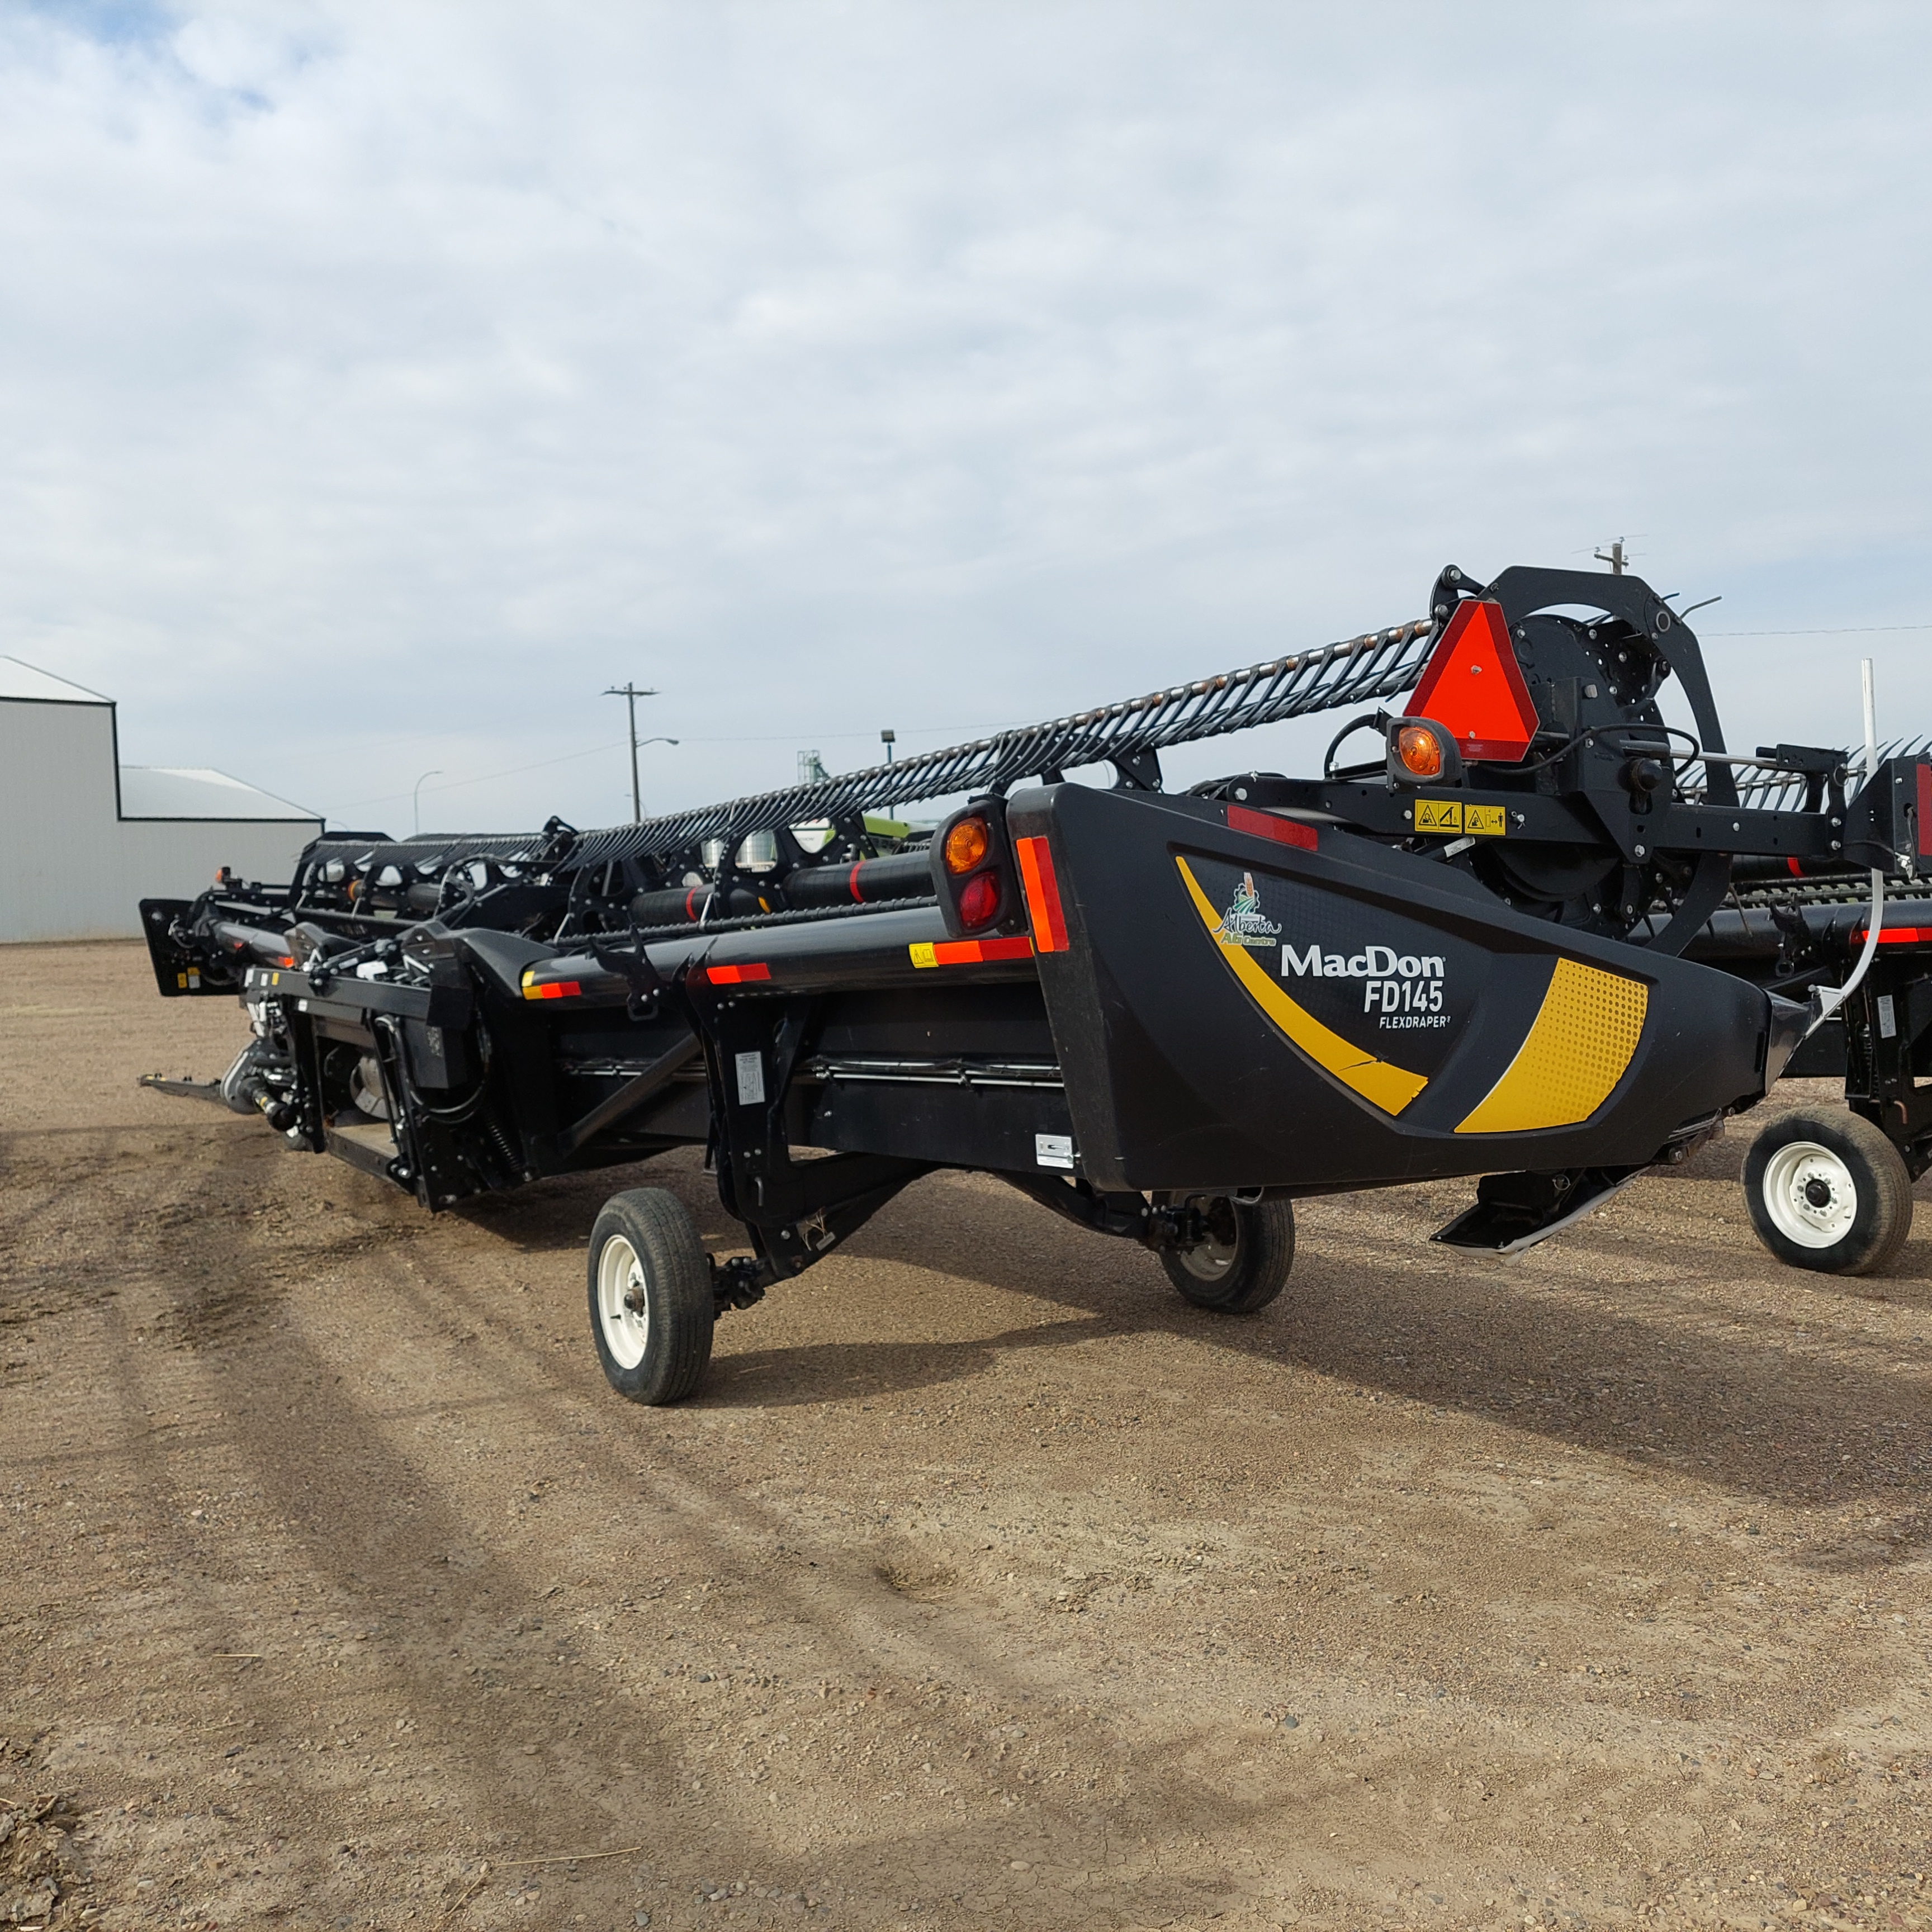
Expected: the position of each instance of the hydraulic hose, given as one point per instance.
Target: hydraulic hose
(1831, 999)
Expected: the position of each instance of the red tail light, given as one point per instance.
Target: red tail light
(979, 901)
(973, 872)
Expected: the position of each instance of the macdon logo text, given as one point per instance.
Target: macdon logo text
(1393, 983)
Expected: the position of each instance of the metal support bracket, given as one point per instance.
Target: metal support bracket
(797, 1212)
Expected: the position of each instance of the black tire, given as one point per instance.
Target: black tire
(1239, 1279)
(1828, 1192)
(652, 1311)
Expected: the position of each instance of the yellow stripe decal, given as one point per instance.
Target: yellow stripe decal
(1390, 1088)
(1583, 1039)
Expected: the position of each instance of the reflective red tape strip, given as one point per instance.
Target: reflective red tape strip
(969, 952)
(736, 976)
(1897, 935)
(1796, 871)
(975, 952)
(1042, 895)
(553, 989)
(852, 885)
(1265, 825)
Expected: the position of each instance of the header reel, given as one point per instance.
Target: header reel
(1534, 757)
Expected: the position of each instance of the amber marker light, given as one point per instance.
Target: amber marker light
(1420, 751)
(966, 845)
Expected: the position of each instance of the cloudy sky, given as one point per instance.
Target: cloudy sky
(378, 383)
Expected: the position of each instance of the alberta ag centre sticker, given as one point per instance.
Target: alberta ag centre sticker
(1243, 923)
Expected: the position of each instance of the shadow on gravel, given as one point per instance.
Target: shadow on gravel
(846, 1371)
(557, 1213)
(1913, 1266)
(1764, 1417)
(457, 1623)
(1652, 1377)
(471, 1642)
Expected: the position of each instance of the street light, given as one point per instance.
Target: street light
(888, 739)
(636, 805)
(416, 801)
(630, 694)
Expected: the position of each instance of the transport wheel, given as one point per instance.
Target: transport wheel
(652, 1312)
(1828, 1192)
(1238, 1276)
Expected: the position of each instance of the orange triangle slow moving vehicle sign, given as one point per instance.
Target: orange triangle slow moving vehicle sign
(1473, 686)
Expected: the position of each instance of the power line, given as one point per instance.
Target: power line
(592, 751)
(486, 778)
(1840, 631)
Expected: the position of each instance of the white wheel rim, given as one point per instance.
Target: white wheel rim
(1810, 1195)
(365, 1088)
(623, 1307)
(1210, 1260)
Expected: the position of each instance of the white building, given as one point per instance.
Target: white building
(83, 837)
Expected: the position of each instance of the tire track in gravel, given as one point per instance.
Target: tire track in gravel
(727, 1536)
(707, 1529)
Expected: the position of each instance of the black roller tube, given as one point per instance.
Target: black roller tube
(1754, 934)
(687, 904)
(271, 949)
(901, 875)
(1758, 872)
(424, 896)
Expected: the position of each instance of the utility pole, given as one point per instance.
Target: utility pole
(888, 739)
(630, 694)
(1614, 557)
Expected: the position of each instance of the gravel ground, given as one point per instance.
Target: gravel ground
(984, 1583)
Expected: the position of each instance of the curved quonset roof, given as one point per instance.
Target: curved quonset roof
(156, 791)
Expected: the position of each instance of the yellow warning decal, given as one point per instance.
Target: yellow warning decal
(1487, 821)
(1582, 1040)
(1438, 814)
(924, 952)
(1390, 1088)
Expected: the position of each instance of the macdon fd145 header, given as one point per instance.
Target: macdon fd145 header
(1536, 935)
